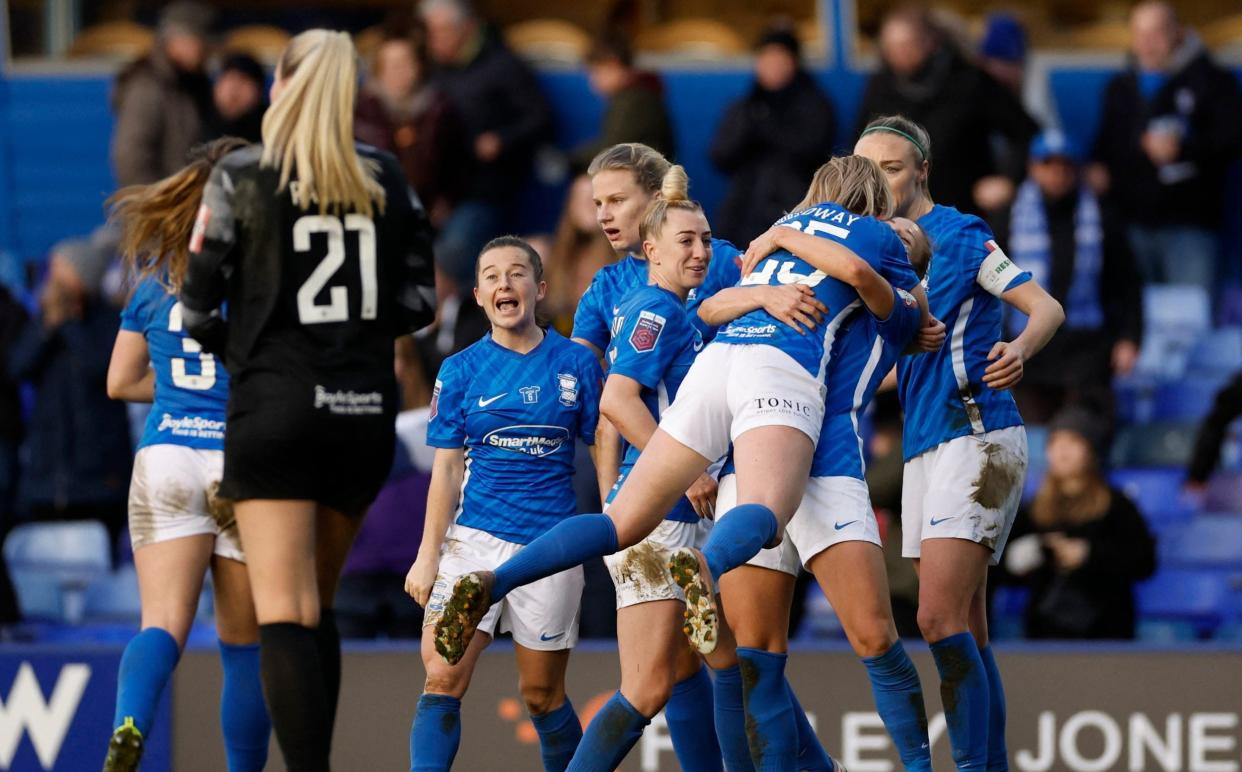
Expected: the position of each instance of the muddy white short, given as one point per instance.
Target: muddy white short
(542, 615)
(172, 494)
(966, 488)
(640, 573)
(833, 510)
(733, 388)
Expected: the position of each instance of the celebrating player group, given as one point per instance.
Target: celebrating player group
(718, 388)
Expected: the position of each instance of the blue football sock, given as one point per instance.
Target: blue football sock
(771, 727)
(612, 733)
(811, 754)
(998, 754)
(565, 545)
(737, 537)
(148, 662)
(731, 720)
(436, 733)
(243, 713)
(899, 701)
(964, 693)
(560, 731)
(693, 735)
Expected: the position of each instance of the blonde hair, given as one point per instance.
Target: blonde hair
(674, 195)
(853, 182)
(308, 132)
(648, 164)
(156, 220)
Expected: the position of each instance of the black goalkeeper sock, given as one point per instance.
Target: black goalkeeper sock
(328, 638)
(293, 684)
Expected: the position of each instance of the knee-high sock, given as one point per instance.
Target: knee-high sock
(899, 701)
(328, 638)
(560, 731)
(811, 754)
(243, 714)
(294, 687)
(435, 733)
(693, 735)
(148, 662)
(612, 733)
(565, 545)
(731, 720)
(737, 537)
(964, 692)
(998, 753)
(770, 725)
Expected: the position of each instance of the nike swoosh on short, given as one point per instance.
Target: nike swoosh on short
(934, 521)
(546, 637)
(486, 402)
(839, 526)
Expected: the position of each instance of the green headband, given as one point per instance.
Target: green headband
(899, 132)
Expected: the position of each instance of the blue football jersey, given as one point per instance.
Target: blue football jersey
(601, 303)
(191, 386)
(943, 394)
(655, 344)
(518, 417)
(869, 238)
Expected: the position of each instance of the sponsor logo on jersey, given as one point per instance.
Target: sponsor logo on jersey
(750, 331)
(647, 331)
(490, 400)
(784, 405)
(349, 402)
(531, 440)
(192, 426)
(530, 395)
(568, 385)
(435, 398)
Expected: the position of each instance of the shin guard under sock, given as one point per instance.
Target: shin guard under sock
(293, 684)
(964, 693)
(243, 714)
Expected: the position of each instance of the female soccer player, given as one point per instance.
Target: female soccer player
(177, 523)
(323, 255)
(964, 444)
(514, 404)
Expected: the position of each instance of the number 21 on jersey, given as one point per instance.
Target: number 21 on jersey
(337, 307)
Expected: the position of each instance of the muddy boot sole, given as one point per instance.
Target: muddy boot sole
(702, 620)
(462, 613)
(124, 750)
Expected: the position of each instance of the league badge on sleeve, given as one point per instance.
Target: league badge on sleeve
(647, 331)
(567, 383)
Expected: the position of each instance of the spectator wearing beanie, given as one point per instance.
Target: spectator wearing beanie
(1081, 545)
(240, 97)
(772, 140)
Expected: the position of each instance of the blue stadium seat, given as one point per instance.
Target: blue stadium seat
(1155, 444)
(1219, 352)
(1165, 631)
(1187, 399)
(1157, 493)
(53, 564)
(1205, 598)
(1037, 446)
(1224, 492)
(1207, 541)
(1175, 317)
(114, 597)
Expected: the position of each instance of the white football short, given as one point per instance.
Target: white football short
(732, 388)
(542, 615)
(172, 494)
(833, 510)
(966, 488)
(640, 573)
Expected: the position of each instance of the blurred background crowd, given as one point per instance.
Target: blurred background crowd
(1133, 521)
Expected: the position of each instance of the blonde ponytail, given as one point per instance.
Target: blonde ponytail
(308, 132)
(674, 195)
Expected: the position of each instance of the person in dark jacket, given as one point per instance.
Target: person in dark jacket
(78, 455)
(1171, 126)
(1077, 250)
(239, 94)
(1212, 432)
(772, 140)
(506, 116)
(163, 101)
(12, 321)
(1081, 545)
(635, 110)
(924, 78)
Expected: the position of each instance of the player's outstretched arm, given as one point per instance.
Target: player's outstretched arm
(793, 304)
(130, 377)
(447, 472)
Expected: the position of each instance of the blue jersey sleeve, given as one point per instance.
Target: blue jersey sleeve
(447, 425)
(591, 319)
(895, 264)
(902, 323)
(137, 314)
(592, 379)
(645, 346)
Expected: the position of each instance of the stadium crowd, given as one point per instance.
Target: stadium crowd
(1118, 232)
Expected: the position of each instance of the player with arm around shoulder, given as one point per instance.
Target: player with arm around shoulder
(506, 414)
(964, 443)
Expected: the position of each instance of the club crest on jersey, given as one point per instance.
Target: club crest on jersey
(435, 398)
(568, 385)
(530, 394)
(647, 331)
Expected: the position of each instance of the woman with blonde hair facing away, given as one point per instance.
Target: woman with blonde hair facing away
(178, 525)
(323, 255)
